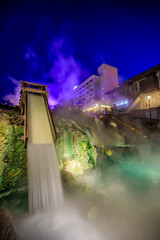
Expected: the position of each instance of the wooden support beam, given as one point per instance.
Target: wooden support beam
(37, 85)
(54, 133)
(34, 90)
(38, 89)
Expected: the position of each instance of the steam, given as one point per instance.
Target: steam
(65, 72)
(57, 69)
(101, 133)
(13, 98)
(122, 204)
(65, 223)
(129, 204)
(121, 200)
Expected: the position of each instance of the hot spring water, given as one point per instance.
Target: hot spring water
(45, 188)
(129, 211)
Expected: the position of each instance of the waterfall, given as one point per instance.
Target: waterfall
(45, 188)
(89, 134)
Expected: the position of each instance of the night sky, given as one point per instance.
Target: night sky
(60, 43)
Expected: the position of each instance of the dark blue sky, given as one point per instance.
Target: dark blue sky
(123, 34)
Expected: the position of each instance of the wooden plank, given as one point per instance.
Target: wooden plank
(25, 128)
(26, 89)
(23, 83)
(53, 129)
(25, 121)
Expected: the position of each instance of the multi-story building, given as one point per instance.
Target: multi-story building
(90, 95)
(139, 96)
(109, 78)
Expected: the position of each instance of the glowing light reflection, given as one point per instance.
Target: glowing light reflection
(75, 87)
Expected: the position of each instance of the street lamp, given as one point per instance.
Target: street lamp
(149, 99)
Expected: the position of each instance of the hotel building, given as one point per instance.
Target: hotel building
(138, 96)
(90, 95)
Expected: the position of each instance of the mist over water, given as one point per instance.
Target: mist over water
(130, 188)
(65, 223)
(121, 200)
(122, 204)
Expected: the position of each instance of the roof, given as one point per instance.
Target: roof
(141, 75)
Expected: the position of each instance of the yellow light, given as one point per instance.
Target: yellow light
(109, 152)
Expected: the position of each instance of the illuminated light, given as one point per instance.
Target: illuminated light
(105, 106)
(109, 152)
(149, 97)
(75, 87)
(126, 102)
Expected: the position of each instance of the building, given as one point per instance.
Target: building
(90, 95)
(108, 78)
(138, 96)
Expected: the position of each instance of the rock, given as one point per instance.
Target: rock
(7, 231)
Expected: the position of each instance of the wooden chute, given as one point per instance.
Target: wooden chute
(28, 87)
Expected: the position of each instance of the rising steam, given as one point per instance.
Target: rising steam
(13, 98)
(57, 69)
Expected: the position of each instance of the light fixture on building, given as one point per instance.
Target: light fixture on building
(75, 87)
(149, 97)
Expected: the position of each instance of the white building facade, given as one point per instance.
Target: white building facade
(89, 95)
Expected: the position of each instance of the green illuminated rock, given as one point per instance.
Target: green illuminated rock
(74, 148)
(75, 151)
(13, 160)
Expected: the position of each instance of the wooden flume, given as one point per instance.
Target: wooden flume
(28, 87)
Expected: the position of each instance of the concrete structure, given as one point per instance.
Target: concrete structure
(109, 77)
(90, 96)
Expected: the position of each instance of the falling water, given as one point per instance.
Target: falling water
(99, 123)
(48, 221)
(45, 189)
(89, 134)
